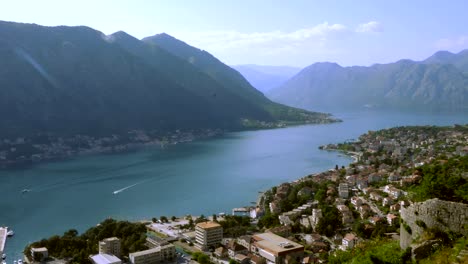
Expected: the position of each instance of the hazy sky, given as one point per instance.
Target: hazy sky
(274, 32)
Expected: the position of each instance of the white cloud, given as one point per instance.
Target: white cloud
(280, 39)
(456, 43)
(369, 27)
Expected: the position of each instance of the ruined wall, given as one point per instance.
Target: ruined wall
(434, 213)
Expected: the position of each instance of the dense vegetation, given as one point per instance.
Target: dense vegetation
(75, 80)
(435, 83)
(77, 248)
(443, 179)
(235, 226)
(371, 252)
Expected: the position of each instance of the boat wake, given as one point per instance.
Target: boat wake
(125, 188)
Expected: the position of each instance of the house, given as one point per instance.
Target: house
(364, 211)
(376, 219)
(395, 207)
(361, 183)
(256, 259)
(373, 177)
(349, 241)
(375, 196)
(347, 217)
(235, 249)
(368, 190)
(392, 219)
(242, 259)
(245, 241)
(221, 252)
(356, 201)
(387, 201)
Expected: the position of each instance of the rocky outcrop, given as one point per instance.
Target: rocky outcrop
(432, 214)
(425, 249)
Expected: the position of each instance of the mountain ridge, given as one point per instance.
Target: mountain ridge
(402, 84)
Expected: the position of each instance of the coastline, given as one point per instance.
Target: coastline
(60, 149)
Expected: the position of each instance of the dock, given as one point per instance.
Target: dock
(3, 238)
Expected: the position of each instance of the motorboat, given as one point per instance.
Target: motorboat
(3, 256)
(25, 191)
(10, 233)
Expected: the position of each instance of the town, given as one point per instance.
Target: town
(321, 217)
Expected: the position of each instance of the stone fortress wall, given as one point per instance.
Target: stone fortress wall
(433, 213)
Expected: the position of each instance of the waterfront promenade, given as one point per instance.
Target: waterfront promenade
(3, 237)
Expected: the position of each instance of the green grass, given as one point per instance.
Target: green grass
(385, 251)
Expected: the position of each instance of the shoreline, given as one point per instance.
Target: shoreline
(58, 150)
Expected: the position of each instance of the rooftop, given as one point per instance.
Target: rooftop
(208, 225)
(105, 259)
(275, 244)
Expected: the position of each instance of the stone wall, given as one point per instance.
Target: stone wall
(434, 213)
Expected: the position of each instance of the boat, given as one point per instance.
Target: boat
(10, 233)
(20, 261)
(3, 256)
(25, 191)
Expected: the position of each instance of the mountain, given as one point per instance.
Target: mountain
(404, 84)
(76, 80)
(231, 79)
(263, 77)
(459, 60)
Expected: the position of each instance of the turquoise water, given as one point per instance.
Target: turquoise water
(202, 177)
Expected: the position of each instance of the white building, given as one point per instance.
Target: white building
(343, 190)
(105, 259)
(348, 241)
(208, 234)
(153, 255)
(110, 246)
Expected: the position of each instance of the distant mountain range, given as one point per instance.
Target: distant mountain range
(264, 77)
(439, 82)
(69, 80)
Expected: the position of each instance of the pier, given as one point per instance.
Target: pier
(3, 237)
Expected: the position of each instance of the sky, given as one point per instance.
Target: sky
(271, 32)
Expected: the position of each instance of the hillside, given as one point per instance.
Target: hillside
(231, 80)
(265, 78)
(403, 84)
(72, 80)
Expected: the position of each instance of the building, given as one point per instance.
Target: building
(348, 241)
(276, 249)
(110, 246)
(392, 219)
(343, 190)
(39, 254)
(105, 259)
(208, 234)
(153, 255)
(356, 201)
